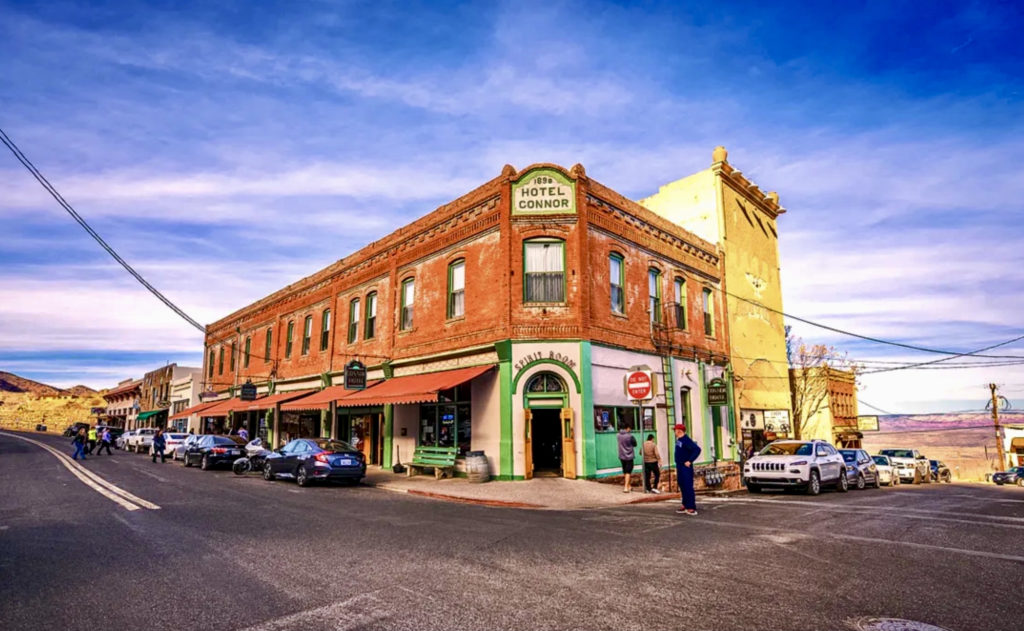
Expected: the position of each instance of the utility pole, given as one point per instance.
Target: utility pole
(995, 422)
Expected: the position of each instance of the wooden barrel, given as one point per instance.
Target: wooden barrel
(477, 467)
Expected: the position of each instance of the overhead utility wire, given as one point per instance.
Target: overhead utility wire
(71, 211)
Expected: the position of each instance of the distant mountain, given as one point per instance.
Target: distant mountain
(9, 382)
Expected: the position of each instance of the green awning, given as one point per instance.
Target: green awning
(151, 413)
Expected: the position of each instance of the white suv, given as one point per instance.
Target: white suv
(804, 464)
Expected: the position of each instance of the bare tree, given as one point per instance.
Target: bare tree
(811, 365)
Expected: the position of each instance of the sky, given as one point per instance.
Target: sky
(227, 149)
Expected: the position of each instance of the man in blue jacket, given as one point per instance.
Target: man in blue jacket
(687, 452)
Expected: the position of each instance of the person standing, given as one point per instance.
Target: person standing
(159, 443)
(652, 465)
(79, 442)
(244, 435)
(686, 453)
(104, 442)
(627, 443)
(92, 440)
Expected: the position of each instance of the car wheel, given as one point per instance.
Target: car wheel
(302, 477)
(861, 482)
(947, 478)
(184, 458)
(204, 464)
(268, 473)
(1020, 481)
(753, 488)
(814, 484)
(878, 481)
(843, 485)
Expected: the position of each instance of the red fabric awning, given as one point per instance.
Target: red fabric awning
(413, 388)
(268, 402)
(187, 412)
(322, 400)
(220, 408)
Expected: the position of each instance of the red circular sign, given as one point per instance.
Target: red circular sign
(638, 385)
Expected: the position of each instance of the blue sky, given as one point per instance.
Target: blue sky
(227, 149)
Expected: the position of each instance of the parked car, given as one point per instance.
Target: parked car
(171, 441)
(179, 449)
(121, 442)
(910, 464)
(940, 472)
(1013, 475)
(141, 440)
(310, 459)
(803, 464)
(886, 472)
(861, 468)
(212, 450)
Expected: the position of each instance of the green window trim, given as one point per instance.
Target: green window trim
(353, 320)
(370, 316)
(289, 339)
(232, 360)
(654, 294)
(325, 329)
(307, 334)
(456, 303)
(210, 373)
(269, 345)
(408, 302)
(220, 361)
(616, 276)
(542, 282)
(709, 314)
(248, 350)
(680, 304)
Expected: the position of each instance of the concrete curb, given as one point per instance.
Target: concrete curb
(457, 498)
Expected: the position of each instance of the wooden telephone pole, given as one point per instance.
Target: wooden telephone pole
(995, 422)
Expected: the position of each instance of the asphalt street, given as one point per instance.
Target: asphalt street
(229, 552)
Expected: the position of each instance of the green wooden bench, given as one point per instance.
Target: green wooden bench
(440, 459)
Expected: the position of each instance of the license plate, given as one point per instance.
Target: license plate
(344, 462)
(233, 452)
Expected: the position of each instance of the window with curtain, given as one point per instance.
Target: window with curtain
(325, 329)
(289, 339)
(353, 320)
(370, 325)
(457, 289)
(544, 271)
(248, 350)
(680, 297)
(615, 270)
(307, 334)
(709, 316)
(654, 293)
(408, 300)
(269, 345)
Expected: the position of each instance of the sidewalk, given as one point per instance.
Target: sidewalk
(538, 493)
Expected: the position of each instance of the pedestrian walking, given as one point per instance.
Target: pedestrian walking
(92, 440)
(104, 442)
(686, 453)
(78, 441)
(627, 443)
(652, 465)
(159, 443)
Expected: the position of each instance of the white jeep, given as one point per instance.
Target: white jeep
(803, 464)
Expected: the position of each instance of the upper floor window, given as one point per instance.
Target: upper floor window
(248, 350)
(289, 338)
(680, 298)
(457, 289)
(307, 334)
(266, 351)
(408, 298)
(325, 329)
(210, 372)
(616, 268)
(353, 320)
(544, 271)
(709, 315)
(232, 360)
(370, 325)
(654, 293)
(220, 361)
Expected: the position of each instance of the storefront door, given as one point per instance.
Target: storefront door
(547, 442)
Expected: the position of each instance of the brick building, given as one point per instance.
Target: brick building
(825, 405)
(123, 403)
(505, 322)
(155, 394)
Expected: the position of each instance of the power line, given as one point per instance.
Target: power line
(874, 407)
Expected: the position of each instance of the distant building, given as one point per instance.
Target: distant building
(825, 405)
(123, 403)
(155, 394)
(184, 394)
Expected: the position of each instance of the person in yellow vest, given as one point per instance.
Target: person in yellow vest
(92, 440)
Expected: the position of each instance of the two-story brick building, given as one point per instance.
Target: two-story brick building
(505, 322)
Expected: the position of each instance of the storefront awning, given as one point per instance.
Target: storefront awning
(269, 402)
(187, 412)
(413, 388)
(220, 408)
(322, 400)
(149, 414)
(1016, 443)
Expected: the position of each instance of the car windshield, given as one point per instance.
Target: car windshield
(226, 440)
(787, 449)
(882, 460)
(849, 456)
(898, 453)
(333, 445)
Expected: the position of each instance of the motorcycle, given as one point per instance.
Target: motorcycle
(255, 456)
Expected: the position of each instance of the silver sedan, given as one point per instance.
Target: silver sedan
(861, 470)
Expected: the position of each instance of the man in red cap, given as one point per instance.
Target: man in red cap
(687, 452)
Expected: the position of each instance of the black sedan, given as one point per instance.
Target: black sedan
(212, 450)
(309, 459)
(1015, 475)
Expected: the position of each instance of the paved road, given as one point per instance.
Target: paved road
(224, 552)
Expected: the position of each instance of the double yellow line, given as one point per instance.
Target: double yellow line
(113, 493)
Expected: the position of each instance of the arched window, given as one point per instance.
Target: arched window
(545, 382)
(289, 339)
(457, 289)
(269, 345)
(248, 350)
(408, 300)
(370, 324)
(616, 272)
(654, 292)
(353, 320)
(307, 334)
(544, 270)
(680, 298)
(325, 329)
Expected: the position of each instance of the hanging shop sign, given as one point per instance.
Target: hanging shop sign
(867, 423)
(248, 392)
(751, 420)
(776, 421)
(355, 375)
(544, 191)
(640, 385)
(718, 393)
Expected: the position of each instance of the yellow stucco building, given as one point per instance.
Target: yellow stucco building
(722, 206)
